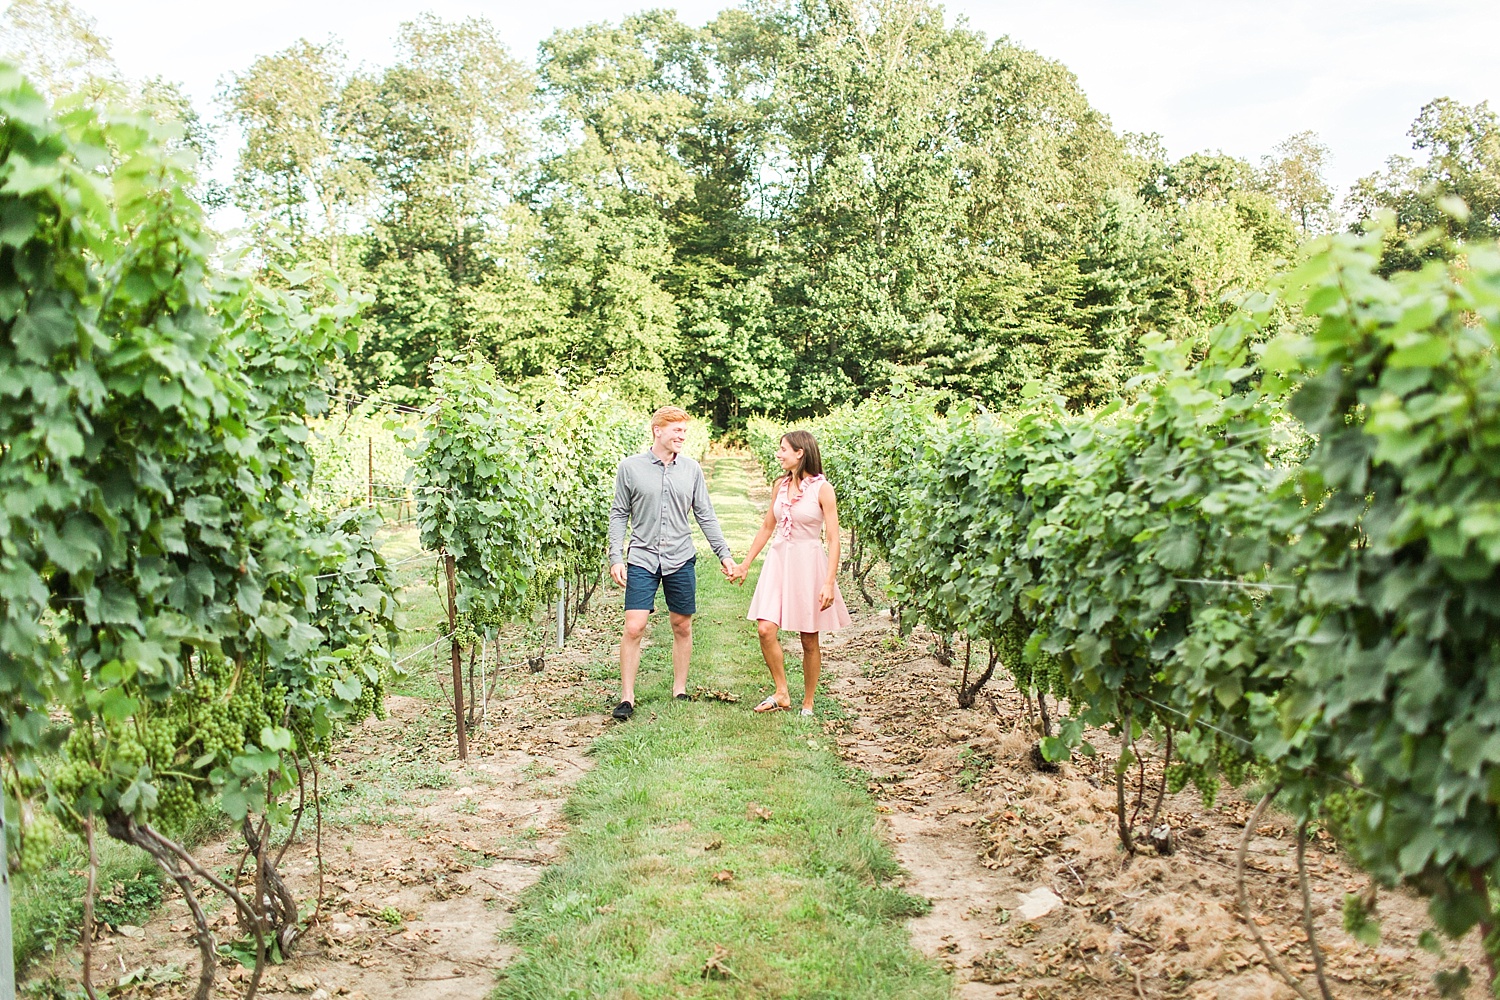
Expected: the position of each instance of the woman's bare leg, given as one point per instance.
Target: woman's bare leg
(812, 665)
(770, 648)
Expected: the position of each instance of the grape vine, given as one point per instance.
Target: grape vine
(514, 490)
(165, 579)
(1279, 558)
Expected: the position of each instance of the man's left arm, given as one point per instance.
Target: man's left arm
(708, 521)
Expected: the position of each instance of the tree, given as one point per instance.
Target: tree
(732, 360)
(1131, 283)
(626, 91)
(302, 164)
(923, 165)
(59, 49)
(1295, 178)
(1456, 191)
(446, 128)
(791, 207)
(444, 132)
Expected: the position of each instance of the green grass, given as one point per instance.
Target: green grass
(634, 909)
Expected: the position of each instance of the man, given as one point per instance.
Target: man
(654, 493)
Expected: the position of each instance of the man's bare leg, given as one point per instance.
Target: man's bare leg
(630, 652)
(682, 651)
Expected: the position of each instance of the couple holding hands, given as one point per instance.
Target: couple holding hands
(657, 491)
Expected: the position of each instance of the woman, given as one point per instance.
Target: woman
(798, 588)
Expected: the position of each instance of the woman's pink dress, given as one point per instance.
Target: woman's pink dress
(796, 566)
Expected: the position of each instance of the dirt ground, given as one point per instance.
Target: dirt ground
(423, 857)
(979, 827)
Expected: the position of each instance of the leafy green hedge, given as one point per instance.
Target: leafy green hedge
(1283, 552)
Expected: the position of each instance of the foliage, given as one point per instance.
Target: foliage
(1456, 191)
(350, 447)
(763, 437)
(784, 210)
(1294, 176)
(1393, 651)
(517, 490)
(301, 165)
(58, 47)
(1282, 552)
(164, 578)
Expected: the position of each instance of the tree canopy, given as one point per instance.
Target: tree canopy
(791, 207)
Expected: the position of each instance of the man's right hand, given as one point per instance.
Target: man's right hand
(617, 574)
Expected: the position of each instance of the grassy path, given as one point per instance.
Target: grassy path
(706, 830)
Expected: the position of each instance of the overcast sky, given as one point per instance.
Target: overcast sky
(1206, 74)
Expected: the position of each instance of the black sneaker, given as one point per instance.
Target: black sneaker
(682, 697)
(623, 711)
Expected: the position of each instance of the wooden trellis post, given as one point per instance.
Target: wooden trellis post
(458, 675)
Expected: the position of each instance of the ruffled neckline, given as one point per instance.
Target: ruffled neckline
(791, 501)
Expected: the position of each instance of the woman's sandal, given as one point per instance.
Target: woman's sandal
(807, 713)
(772, 705)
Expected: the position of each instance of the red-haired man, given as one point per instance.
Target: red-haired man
(656, 492)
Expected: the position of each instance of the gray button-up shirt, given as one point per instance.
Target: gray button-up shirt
(654, 500)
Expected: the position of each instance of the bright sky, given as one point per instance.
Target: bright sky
(1226, 75)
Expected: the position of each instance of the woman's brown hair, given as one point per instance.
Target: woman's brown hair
(812, 459)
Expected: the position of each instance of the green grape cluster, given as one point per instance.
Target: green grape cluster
(158, 736)
(1047, 675)
(470, 625)
(464, 632)
(1178, 776)
(218, 707)
(371, 700)
(275, 705)
(247, 709)
(1338, 810)
(176, 804)
(74, 782)
(1011, 647)
(126, 751)
(300, 720)
(1206, 779)
(36, 843)
(1233, 765)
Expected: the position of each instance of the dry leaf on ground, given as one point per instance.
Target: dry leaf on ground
(715, 968)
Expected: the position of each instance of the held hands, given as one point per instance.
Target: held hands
(825, 597)
(731, 570)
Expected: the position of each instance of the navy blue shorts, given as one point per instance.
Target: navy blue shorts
(679, 588)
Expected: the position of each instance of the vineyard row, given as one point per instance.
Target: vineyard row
(1280, 561)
